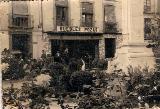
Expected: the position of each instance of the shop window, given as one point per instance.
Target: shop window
(80, 48)
(110, 46)
(147, 5)
(61, 16)
(87, 14)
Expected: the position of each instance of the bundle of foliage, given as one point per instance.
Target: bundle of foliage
(75, 65)
(11, 98)
(80, 78)
(144, 84)
(100, 63)
(111, 27)
(97, 102)
(15, 70)
(37, 96)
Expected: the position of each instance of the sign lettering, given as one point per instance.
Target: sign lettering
(77, 29)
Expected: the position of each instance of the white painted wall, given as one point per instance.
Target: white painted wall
(4, 41)
(99, 14)
(74, 12)
(4, 36)
(4, 11)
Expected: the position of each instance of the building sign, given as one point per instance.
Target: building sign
(77, 29)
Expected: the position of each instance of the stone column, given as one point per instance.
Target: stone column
(96, 51)
(102, 48)
(132, 48)
(139, 55)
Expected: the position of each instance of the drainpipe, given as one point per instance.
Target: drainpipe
(42, 18)
(11, 21)
(12, 10)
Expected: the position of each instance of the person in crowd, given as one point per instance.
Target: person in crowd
(83, 66)
(66, 51)
(58, 54)
(57, 57)
(4, 52)
(66, 56)
(43, 56)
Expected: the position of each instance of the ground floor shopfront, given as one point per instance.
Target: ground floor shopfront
(76, 45)
(94, 45)
(85, 46)
(76, 48)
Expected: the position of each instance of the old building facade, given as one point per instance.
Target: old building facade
(106, 29)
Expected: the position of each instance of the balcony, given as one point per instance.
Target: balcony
(110, 27)
(17, 21)
(61, 23)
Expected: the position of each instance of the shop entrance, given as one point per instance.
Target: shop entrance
(76, 48)
(20, 43)
(110, 46)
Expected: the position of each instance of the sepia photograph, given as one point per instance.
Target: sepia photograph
(80, 54)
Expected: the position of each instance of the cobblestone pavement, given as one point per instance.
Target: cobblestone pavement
(16, 83)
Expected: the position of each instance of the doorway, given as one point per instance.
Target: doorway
(110, 47)
(20, 42)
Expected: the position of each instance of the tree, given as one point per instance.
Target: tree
(152, 29)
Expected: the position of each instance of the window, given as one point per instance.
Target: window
(61, 16)
(109, 11)
(110, 24)
(147, 5)
(87, 14)
(20, 21)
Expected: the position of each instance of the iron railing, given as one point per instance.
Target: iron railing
(19, 21)
(110, 27)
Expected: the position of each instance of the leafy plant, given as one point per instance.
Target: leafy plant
(80, 78)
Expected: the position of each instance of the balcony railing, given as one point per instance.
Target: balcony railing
(20, 21)
(110, 27)
(87, 24)
(61, 23)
